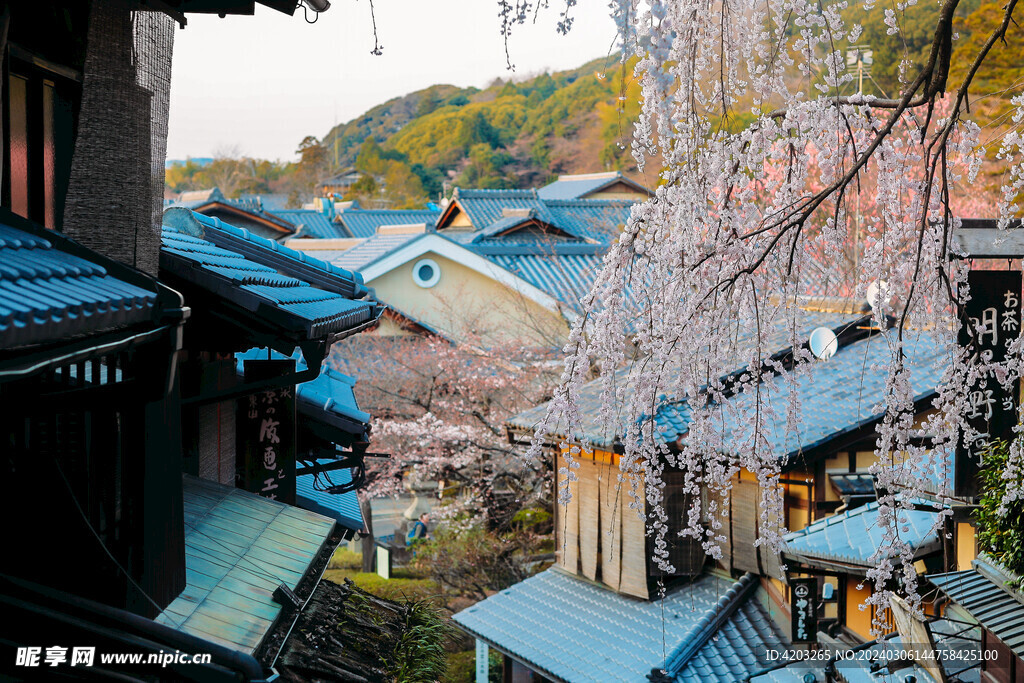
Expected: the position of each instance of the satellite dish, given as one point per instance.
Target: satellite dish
(823, 343)
(878, 293)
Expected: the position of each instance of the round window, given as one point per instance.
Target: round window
(426, 273)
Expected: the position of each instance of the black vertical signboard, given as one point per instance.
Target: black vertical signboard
(266, 434)
(991, 321)
(804, 610)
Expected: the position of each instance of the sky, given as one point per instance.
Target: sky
(257, 85)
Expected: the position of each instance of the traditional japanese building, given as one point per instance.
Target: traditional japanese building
(196, 496)
(601, 544)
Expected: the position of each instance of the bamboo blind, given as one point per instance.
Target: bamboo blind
(744, 525)
(567, 533)
(633, 580)
(611, 527)
(589, 522)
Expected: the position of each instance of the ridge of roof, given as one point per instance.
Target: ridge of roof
(588, 202)
(708, 625)
(268, 252)
(540, 249)
(471, 193)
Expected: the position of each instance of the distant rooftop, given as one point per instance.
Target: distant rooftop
(584, 184)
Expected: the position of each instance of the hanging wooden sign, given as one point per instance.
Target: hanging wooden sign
(804, 610)
(991, 322)
(266, 434)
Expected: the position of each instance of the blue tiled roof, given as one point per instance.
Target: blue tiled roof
(575, 187)
(597, 219)
(957, 645)
(566, 277)
(673, 418)
(328, 398)
(270, 202)
(47, 294)
(735, 649)
(370, 250)
(239, 548)
(263, 277)
(836, 397)
(310, 223)
(342, 507)
(486, 206)
(570, 629)
(364, 222)
(985, 593)
(853, 537)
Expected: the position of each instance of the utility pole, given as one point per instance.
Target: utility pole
(860, 56)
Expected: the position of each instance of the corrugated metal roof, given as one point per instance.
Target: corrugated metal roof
(573, 630)
(854, 537)
(262, 276)
(309, 223)
(238, 548)
(364, 222)
(983, 595)
(342, 507)
(47, 294)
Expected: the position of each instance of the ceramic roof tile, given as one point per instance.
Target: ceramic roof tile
(311, 494)
(982, 594)
(329, 398)
(235, 560)
(262, 276)
(566, 277)
(957, 644)
(597, 219)
(577, 186)
(370, 250)
(836, 396)
(574, 630)
(488, 206)
(48, 294)
(364, 222)
(310, 223)
(672, 417)
(853, 537)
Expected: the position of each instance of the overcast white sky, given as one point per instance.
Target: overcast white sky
(262, 83)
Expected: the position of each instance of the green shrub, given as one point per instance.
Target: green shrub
(462, 667)
(420, 654)
(403, 584)
(344, 558)
(999, 535)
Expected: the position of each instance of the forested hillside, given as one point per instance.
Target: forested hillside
(523, 132)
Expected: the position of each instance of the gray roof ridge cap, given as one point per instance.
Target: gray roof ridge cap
(709, 623)
(996, 573)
